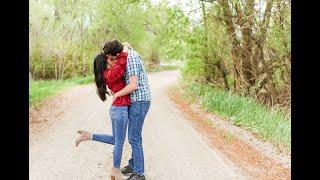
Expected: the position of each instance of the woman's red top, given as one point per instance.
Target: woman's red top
(115, 81)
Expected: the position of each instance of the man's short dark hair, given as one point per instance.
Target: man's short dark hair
(112, 47)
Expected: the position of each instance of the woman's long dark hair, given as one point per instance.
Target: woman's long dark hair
(99, 66)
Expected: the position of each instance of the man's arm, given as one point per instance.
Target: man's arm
(132, 86)
(133, 67)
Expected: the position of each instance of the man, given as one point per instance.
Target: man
(140, 95)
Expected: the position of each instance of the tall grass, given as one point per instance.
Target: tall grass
(270, 125)
(40, 90)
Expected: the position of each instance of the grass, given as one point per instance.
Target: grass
(209, 122)
(228, 136)
(161, 68)
(269, 125)
(42, 89)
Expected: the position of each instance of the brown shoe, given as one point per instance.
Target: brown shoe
(84, 136)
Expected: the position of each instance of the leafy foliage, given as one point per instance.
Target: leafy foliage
(241, 46)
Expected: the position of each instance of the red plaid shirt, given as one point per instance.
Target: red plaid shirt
(115, 81)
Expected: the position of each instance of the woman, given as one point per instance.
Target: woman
(108, 71)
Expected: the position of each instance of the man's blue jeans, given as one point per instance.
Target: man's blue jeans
(137, 113)
(119, 119)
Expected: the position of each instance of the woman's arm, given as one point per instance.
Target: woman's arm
(118, 69)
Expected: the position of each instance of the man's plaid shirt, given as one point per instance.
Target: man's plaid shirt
(135, 67)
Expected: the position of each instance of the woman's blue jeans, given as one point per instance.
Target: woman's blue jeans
(119, 119)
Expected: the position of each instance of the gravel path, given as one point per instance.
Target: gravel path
(173, 149)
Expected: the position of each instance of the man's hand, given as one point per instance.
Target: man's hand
(125, 48)
(115, 96)
(127, 44)
(110, 92)
(132, 86)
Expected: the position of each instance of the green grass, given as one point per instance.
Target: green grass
(209, 122)
(272, 126)
(161, 68)
(42, 89)
(228, 136)
(82, 80)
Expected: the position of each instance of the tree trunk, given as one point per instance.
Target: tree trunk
(224, 73)
(259, 52)
(206, 55)
(247, 43)
(235, 47)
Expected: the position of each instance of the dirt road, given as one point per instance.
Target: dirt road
(173, 149)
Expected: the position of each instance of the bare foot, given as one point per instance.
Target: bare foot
(84, 136)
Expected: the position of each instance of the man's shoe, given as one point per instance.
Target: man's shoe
(127, 170)
(135, 176)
